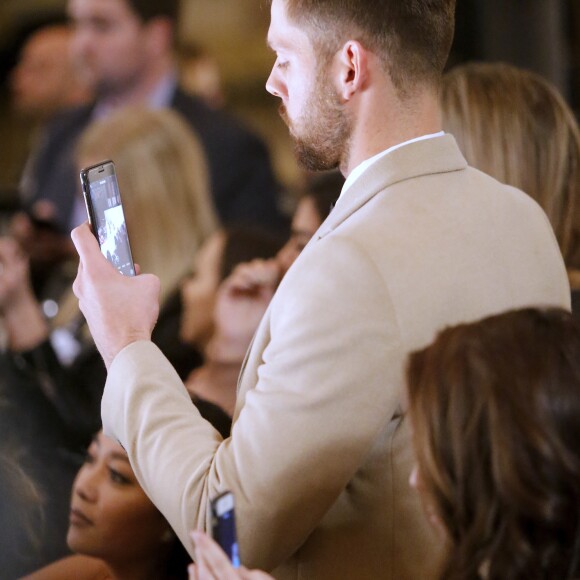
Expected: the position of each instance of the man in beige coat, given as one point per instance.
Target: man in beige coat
(319, 456)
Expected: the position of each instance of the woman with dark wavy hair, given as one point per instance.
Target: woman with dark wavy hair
(495, 410)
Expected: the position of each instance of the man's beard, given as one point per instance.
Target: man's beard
(322, 134)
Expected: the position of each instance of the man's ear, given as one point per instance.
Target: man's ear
(353, 69)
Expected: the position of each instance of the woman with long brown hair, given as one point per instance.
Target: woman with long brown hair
(495, 411)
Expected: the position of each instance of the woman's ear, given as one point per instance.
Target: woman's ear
(353, 69)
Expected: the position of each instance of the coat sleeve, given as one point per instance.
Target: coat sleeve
(328, 382)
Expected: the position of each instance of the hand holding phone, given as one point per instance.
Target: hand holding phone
(119, 309)
(106, 216)
(224, 526)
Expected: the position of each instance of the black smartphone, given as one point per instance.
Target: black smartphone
(106, 217)
(224, 526)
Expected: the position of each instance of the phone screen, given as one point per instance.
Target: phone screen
(224, 526)
(106, 215)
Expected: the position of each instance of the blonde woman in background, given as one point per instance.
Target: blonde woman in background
(56, 374)
(164, 185)
(516, 126)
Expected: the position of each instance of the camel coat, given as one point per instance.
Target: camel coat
(320, 451)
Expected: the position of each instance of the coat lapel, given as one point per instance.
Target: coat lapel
(430, 156)
(437, 155)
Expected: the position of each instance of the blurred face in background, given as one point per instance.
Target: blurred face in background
(199, 292)
(43, 81)
(110, 42)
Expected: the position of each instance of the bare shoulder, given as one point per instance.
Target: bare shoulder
(75, 567)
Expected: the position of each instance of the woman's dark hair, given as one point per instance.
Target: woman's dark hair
(247, 243)
(495, 410)
(323, 188)
(22, 515)
(177, 562)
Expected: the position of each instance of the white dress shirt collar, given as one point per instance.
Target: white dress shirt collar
(362, 167)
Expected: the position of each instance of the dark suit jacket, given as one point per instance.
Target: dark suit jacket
(243, 184)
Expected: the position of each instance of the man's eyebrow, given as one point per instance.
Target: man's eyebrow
(119, 455)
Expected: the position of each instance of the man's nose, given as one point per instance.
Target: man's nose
(273, 84)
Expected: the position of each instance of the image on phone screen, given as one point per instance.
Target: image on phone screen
(224, 526)
(108, 219)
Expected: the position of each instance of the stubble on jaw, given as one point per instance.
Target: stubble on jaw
(322, 134)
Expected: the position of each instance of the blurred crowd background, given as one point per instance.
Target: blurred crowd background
(225, 41)
(224, 243)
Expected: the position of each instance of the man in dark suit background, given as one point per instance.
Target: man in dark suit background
(126, 48)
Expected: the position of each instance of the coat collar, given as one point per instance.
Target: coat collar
(431, 156)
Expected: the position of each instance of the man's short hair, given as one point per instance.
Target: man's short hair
(412, 38)
(149, 9)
